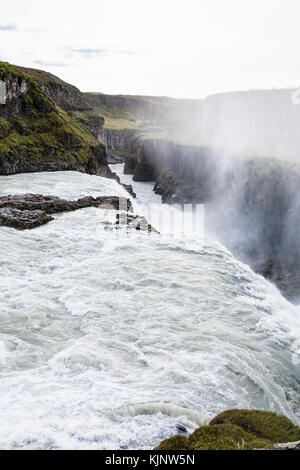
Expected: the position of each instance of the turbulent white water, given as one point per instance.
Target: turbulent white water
(109, 341)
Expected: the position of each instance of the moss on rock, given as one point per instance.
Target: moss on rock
(237, 430)
(263, 424)
(225, 437)
(174, 443)
(37, 135)
(5, 128)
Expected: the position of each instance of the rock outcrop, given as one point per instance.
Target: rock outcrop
(27, 211)
(23, 219)
(130, 165)
(134, 221)
(66, 96)
(239, 430)
(36, 132)
(113, 159)
(93, 122)
(129, 189)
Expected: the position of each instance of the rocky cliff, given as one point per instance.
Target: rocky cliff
(36, 131)
(202, 152)
(67, 96)
(130, 117)
(252, 205)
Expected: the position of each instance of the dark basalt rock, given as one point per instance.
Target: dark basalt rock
(135, 221)
(23, 219)
(180, 428)
(113, 159)
(129, 189)
(130, 164)
(53, 204)
(143, 172)
(27, 211)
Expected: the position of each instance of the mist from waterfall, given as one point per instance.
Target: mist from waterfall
(242, 148)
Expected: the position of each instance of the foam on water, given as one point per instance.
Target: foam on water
(109, 342)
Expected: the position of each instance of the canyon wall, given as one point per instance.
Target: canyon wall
(66, 96)
(252, 205)
(238, 154)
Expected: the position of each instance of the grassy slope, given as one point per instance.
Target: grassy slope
(145, 114)
(42, 130)
(115, 119)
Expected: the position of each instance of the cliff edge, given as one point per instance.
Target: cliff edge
(37, 131)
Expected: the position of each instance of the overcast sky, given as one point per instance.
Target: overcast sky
(188, 48)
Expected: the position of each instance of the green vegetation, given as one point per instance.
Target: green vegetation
(263, 424)
(34, 129)
(6, 68)
(128, 113)
(115, 119)
(40, 76)
(225, 437)
(5, 127)
(174, 443)
(237, 430)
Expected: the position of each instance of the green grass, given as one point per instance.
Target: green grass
(115, 119)
(6, 68)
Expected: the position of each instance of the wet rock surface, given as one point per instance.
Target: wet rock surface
(23, 219)
(27, 211)
(135, 221)
(129, 189)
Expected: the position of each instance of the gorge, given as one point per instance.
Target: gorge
(247, 174)
(118, 339)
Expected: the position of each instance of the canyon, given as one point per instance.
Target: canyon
(236, 153)
(128, 335)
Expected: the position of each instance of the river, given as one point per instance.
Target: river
(110, 339)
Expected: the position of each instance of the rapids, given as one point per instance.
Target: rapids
(109, 339)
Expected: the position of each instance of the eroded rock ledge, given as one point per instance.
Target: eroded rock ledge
(27, 211)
